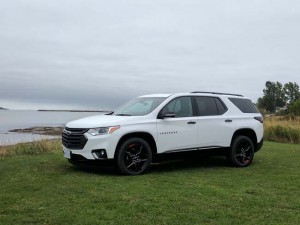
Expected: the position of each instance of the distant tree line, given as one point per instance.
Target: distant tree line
(280, 96)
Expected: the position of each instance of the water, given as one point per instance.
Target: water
(16, 119)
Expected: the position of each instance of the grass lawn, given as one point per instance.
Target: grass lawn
(44, 189)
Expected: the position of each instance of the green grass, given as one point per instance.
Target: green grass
(44, 189)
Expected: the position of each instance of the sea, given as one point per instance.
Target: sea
(20, 119)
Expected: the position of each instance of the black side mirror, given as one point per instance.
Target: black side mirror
(169, 115)
(162, 115)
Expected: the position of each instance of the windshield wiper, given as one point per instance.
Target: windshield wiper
(109, 113)
(122, 114)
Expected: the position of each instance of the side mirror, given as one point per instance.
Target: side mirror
(166, 115)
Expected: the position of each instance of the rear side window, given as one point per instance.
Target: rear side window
(221, 107)
(245, 105)
(210, 106)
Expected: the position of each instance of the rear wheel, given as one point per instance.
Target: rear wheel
(134, 156)
(242, 152)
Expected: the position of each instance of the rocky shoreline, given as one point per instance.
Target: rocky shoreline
(53, 131)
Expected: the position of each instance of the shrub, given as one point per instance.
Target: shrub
(294, 108)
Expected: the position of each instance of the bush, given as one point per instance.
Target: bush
(294, 108)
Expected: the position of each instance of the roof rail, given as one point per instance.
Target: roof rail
(216, 93)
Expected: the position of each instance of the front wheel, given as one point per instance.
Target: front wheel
(241, 152)
(134, 156)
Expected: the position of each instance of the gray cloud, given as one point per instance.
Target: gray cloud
(98, 54)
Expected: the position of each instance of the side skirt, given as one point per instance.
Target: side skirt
(191, 153)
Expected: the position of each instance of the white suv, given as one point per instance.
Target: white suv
(151, 125)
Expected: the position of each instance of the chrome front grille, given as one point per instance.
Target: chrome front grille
(73, 138)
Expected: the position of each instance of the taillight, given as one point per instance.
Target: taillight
(259, 118)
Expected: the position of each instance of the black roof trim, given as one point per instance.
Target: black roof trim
(216, 93)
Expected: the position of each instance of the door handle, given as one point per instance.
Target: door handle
(191, 122)
(228, 121)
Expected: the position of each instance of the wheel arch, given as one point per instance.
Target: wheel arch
(248, 133)
(144, 135)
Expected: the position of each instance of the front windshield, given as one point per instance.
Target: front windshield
(139, 106)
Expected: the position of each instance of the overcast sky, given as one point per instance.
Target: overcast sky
(83, 54)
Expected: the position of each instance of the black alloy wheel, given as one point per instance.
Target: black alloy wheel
(134, 156)
(241, 152)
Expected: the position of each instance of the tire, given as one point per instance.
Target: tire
(241, 152)
(134, 156)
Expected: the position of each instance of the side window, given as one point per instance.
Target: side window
(182, 107)
(245, 105)
(207, 106)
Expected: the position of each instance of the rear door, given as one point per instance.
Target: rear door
(214, 128)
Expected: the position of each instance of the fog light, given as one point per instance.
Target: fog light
(99, 154)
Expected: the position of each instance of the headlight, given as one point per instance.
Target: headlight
(102, 130)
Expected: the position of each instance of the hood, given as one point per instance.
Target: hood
(100, 121)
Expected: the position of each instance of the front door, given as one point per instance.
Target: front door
(179, 132)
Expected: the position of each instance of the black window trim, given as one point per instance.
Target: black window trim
(225, 107)
(196, 112)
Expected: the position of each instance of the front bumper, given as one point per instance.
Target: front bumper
(107, 143)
